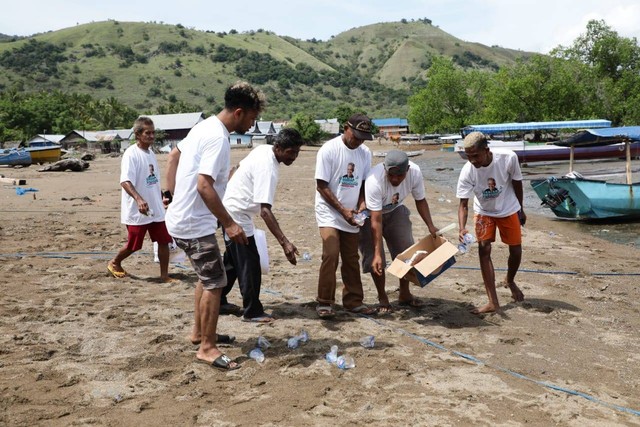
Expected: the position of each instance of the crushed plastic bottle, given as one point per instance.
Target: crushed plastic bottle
(345, 362)
(149, 212)
(332, 356)
(361, 217)
(442, 199)
(464, 246)
(294, 342)
(263, 342)
(368, 341)
(257, 355)
(306, 256)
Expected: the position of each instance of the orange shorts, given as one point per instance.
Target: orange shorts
(510, 231)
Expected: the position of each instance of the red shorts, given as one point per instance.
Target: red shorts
(510, 231)
(157, 231)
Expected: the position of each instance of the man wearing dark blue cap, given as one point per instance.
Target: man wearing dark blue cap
(386, 187)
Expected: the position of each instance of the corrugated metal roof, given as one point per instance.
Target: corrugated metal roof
(567, 124)
(176, 121)
(390, 122)
(44, 137)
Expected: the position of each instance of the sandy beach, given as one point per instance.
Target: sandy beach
(79, 347)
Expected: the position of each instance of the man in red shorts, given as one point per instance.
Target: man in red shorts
(141, 207)
(495, 181)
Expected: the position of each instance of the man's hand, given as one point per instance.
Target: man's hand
(290, 251)
(461, 234)
(376, 265)
(236, 233)
(143, 207)
(348, 214)
(522, 216)
(433, 230)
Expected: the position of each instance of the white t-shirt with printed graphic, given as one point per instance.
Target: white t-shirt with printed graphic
(140, 167)
(205, 151)
(491, 186)
(253, 183)
(344, 170)
(380, 195)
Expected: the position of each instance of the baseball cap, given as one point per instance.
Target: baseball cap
(473, 138)
(396, 162)
(360, 126)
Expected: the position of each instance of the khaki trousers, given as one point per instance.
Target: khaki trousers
(340, 245)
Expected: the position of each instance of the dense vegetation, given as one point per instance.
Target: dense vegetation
(102, 75)
(598, 76)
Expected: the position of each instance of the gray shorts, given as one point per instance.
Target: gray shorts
(204, 254)
(396, 232)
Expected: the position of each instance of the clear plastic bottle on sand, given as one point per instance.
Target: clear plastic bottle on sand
(345, 362)
(332, 356)
(306, 256)
(257, 355)
(368, 341)
(465, 245)
(294, 342)
(263, 342)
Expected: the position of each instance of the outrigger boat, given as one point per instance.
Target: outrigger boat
(15, 157)
(574, 197)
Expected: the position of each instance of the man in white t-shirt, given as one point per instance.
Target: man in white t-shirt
(141, 204)
(494, 180)
(387, 185)
(251, 191)
(341, 167)
(198, 171)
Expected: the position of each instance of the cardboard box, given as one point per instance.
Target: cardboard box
(440, 258)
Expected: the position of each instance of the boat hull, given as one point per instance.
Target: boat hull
(549, 153)
(586, 199)
(15, 158)
(47, 154)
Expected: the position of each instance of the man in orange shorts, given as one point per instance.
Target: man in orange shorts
(495, 181)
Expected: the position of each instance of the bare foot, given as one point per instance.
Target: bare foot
(516, 293)
(488, 308)
(384, 309)
(167, 279)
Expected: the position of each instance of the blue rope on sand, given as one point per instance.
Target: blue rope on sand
(507, 371)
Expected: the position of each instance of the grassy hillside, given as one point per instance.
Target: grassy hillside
(146, 65)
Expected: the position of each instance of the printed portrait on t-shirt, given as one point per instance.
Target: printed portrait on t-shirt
(492, 191)
(349, 179)
(152, 179)
(395, 198)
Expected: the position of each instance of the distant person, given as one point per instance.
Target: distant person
(141, 203)
(251, 191)
(498, 207)
(198, 172)
(338, 199)
(387, 185)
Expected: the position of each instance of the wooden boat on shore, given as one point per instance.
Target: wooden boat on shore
(574, 197)
(45, 153)
(413, 153)
(15, 157)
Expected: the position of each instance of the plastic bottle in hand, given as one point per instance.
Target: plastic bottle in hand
(257, 355)
(361, 217)
(332, 356)
(468, 240)
(345, 362)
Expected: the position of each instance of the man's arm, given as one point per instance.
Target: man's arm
(327, 194)
(143, 207)
(423, 209)
(289, 248)
(463, 213)
(517, 188)
(172, 167)
(214, 203)
(376, 233)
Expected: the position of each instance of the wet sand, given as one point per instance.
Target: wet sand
(78, 346)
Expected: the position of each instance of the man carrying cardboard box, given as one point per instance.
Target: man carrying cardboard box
(495, 181)
(386, 187)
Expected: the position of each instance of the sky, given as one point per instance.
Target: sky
(528, 25)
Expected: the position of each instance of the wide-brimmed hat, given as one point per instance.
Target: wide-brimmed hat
(360, 125)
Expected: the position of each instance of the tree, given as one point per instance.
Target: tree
(307, 127)
(450, 100)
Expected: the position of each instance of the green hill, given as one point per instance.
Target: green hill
(147, 65)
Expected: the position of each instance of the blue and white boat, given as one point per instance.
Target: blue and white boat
(15, 157)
